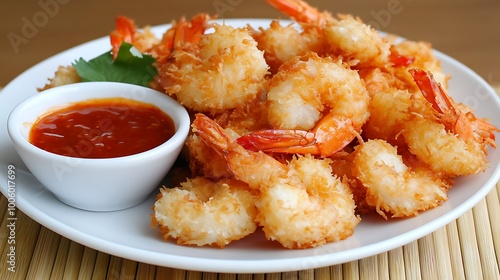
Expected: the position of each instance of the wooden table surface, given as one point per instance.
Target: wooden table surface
(466, 30)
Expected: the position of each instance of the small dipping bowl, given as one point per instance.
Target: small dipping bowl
(97, 184)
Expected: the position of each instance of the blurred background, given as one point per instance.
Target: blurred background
(34, 30)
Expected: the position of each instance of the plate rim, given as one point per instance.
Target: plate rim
(264, 266)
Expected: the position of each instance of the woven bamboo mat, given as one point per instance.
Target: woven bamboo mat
(467, 248)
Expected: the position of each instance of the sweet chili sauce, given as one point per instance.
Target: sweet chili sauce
(102, 128)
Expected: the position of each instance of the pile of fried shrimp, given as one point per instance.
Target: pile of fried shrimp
(301, 128)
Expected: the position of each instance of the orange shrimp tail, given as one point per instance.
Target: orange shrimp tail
(399, 60)
(189, 33)
(450, 115)
(328, 137)
(212, 133)
(196, 28)
(432, 90)
(298, 10)
(276, 140)
(181, 35)
(485, 130)
(125, 30)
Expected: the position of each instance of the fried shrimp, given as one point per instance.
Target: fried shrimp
(440, 133)
(301, 204)
(389, 110)
(316, 105)
(204, 212)
(224, 71)
(309, 85)
(342, 167)
(299, 128)
(357, 43)
(317, 207)
(63, 76)
(275, 42)
(392, 187)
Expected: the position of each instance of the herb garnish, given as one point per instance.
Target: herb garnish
(130, 67)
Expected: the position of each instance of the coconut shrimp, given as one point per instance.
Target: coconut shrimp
(347, 37)
(203, 212)
(223, 71)
(275, 42)
(389, 110)
(252, 116)
(391, 186)
(206, 162)
(301, 204)
(316, 105)
(63, 76)
(446, 136)
(378, 79)
(342, 167)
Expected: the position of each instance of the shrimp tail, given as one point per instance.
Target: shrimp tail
(485, 129)
(196, 27)
(465, 124)
(188, 33)
(124, 32)
(449, 113)
(328, 137)
(275, 139)
(182, 34)
(237, 158)
(211, 133)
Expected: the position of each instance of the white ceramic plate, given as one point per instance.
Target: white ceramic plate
(128, 233)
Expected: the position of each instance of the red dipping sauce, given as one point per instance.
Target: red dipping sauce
(102, 128)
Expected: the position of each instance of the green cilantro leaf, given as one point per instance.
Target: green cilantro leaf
(130, 67)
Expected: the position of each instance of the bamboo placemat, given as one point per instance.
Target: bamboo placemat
(467, 248)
